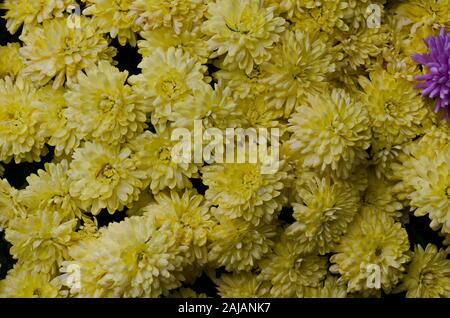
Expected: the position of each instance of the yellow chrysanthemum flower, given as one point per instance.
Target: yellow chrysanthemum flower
(241, 285)
(22, 282)
(64, 137)
(214, 107)
(424, 13)
(10, 204)
(395, 108)
(300, 65)
(331, 287)
(244, 30)
(328, 15)
(259, 113)
(428, 274)
(241, 84)
(10, 63)
(102, 107)
(241, 190)
(331, 132)
(54, 50)
(178, 15)
(357, 47)
(373, 241)
(186, 293)
(428, 176)
(239, 245)
(153, 156)
(190, 41)
(173, 81)
(40, 239)
(30, 13)
(323, 213)
(114, 17)
(103, 176)
(289, 271)
(192, 212)
(22, 135)
(381, 194)
(146, 261)
(49, 190)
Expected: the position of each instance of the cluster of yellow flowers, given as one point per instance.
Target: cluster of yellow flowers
(362, 153)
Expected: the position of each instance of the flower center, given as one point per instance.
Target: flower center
(108, 103)
(12, 119)
(71, 45)
(378, 251)
(170, 87)
(106, 171)
(164, 154)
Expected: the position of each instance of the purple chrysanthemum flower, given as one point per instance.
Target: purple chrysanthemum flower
(437, 80)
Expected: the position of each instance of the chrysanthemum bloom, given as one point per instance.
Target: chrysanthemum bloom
(22, 282)
(328, 15)
(301, 64)
(429, 178)
(331, 287)
(49, 190)
(191, 211)
(186, 293)
(356, 47)
(287, 8)
(10, 204)
(323, 213)
(214, 107)
(241, 190)
(56, 51)
(178, 15)
(239, 245)
(243, 30)
(241, 84)
(395, 109)
(290, 272)
(40, 239)
(241, 285)
(330, 132)
(104, 176)
(10, 63)
(153, 155)
(437, 62)
(381, 193)
(30, 13)
(62, 136)
(146, 261)
(114, 17)
(419, 15)
(428, 274)
(22, 136)
(385, 153)
(259, 113)
(172, 82)
(374, 243)
(102, 107)
(190, 41)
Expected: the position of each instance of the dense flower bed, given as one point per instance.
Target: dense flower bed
(358, 89)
